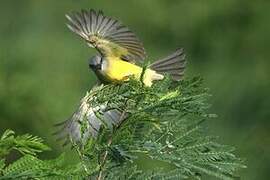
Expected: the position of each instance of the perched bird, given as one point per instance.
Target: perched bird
(120, 51)
(119, 56)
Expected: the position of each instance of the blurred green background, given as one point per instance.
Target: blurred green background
(44, 71)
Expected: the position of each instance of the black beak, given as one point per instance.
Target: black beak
(95, 67)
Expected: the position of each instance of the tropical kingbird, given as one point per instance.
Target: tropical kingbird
(119, 52)
(120, 49)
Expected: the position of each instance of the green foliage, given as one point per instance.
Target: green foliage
(26, 144)
(163, 125)
(30, 167)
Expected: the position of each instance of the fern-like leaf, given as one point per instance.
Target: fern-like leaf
(25, 144)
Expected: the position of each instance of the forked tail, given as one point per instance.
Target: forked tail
(173, 65)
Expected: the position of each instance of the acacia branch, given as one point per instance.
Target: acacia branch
(104, 158)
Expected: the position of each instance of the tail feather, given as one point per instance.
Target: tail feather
(174, 65)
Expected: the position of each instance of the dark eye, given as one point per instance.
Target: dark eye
(92, 66)
(98, 66)
(95, 66)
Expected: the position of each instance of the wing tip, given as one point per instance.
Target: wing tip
(93, 22)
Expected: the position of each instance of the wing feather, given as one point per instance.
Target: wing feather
(109, 36)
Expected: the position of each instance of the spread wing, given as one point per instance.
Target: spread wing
(71, 129)
(85, 124)
(109, 36)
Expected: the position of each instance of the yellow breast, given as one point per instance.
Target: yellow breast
(117, 70)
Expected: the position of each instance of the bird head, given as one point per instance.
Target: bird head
(95, 63)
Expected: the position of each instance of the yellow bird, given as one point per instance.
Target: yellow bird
(120, 53)
(120, 50)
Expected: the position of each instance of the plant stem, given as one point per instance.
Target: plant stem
(104, 158)
(103, 161)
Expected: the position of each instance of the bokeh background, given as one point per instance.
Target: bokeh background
(44, 72)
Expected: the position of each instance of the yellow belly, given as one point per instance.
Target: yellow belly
(118, 70)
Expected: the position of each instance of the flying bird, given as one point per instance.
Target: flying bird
(120, 52)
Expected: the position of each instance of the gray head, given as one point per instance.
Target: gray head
(95, 63)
